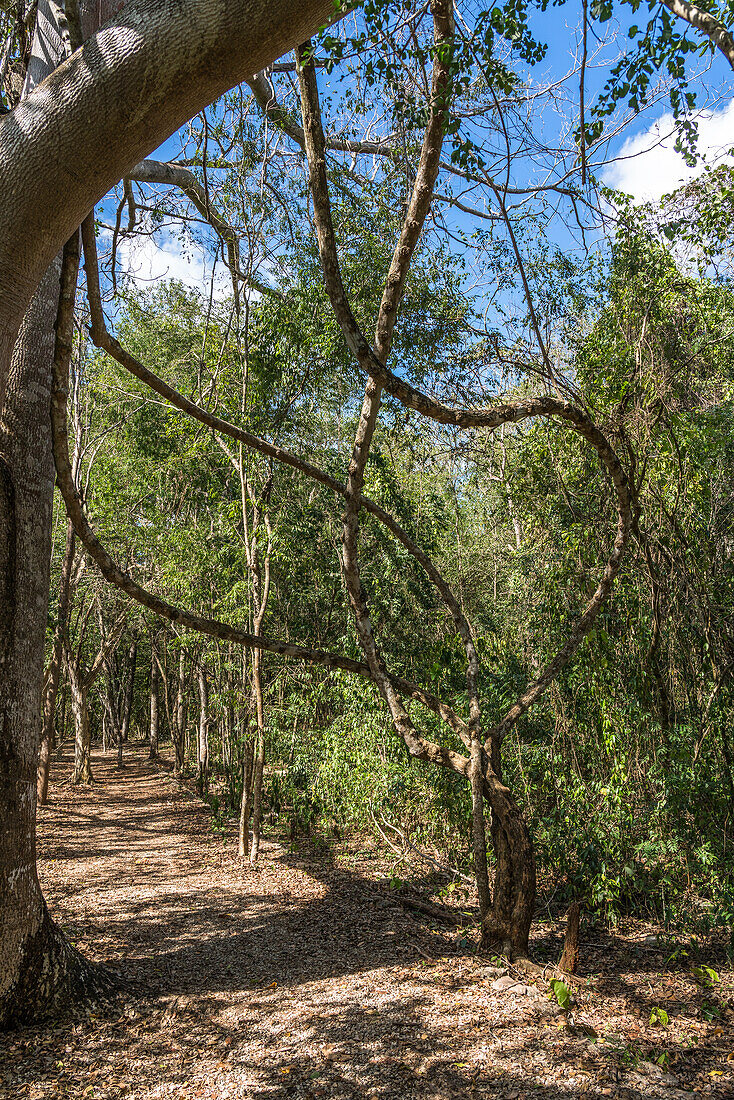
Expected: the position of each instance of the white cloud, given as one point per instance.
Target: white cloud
(649, 167)
(147, 259)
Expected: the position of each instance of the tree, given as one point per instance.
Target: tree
(90, 121)
(106, 94)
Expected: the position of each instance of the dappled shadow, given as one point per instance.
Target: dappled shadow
(298, 978)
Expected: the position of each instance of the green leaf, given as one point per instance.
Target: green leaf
(561, 993)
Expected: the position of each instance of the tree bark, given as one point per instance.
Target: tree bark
(179, 719)
(129, 689)
(479, 832)
(243, 840)
(130, 86)
(257, 781)
(507, 925)
(202, 752)
(54, 671)
(570, 957)
(39, 969)
(82, 731)
(153, 750)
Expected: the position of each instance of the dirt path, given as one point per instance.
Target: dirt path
(299, 980)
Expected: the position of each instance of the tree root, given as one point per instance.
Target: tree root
(54, 977)
(546, 973)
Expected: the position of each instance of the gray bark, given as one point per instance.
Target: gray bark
(130, 86)
(26, 494)
(248, 761)
(179, 718)
(82, 731)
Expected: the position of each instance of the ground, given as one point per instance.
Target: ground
(305, 978)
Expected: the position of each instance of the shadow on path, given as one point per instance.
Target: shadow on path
(294, 979)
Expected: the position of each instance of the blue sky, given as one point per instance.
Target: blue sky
(648, 165)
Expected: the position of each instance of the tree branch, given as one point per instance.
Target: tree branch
(174, 175)
(706, 23)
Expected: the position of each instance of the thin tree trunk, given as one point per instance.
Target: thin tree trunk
(82, 731)
(113, 724)
(248, 757)
(257, 784)
(179, 730)
(153, 750)
(228, 739)
(129, 689)
(62, 718)
(202, 751)
(54, 672)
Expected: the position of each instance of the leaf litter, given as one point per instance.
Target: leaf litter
(306, 978)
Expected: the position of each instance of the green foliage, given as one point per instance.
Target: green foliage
(560, 992)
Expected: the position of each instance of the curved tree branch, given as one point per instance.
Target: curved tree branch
(428, 406)
(104, 340)
(175, 175)
(129, 87)
(703, 21)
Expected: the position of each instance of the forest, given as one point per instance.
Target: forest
(366, 549)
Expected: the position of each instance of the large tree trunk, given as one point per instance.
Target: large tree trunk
(38, 967)
(131, 86)
(60, 151)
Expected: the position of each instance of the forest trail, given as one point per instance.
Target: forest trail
(296, 979)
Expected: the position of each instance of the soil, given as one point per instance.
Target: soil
(305, 977)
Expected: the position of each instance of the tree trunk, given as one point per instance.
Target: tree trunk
(479, 832)
(507, 925)
(570, 956)
(179, 717)
(202, 746)
(54, 671)
(120, 761)
(82, 731)
(257, 783)
(118, 98)
(113, 724)
(153, 750)
(129, 689)
(243, 844)
(62, 718)
(38, 967)
(228, 737)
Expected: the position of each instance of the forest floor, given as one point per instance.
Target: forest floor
(305, 978)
